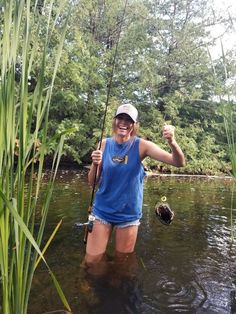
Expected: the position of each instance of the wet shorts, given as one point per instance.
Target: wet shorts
(119, 224)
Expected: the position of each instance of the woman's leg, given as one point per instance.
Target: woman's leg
(126, 239)
(97, 242)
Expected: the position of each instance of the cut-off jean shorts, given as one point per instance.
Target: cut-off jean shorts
(119, 225)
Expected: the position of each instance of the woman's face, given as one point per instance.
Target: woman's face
(124, 125)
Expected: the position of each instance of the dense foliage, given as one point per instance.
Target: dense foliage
(163, 66)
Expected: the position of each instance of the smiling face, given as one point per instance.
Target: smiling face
(123, 125)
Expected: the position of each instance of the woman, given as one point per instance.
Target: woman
(120, 173)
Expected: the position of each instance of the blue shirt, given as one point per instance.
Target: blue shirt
(119, 196)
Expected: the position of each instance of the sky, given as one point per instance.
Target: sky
(228, 40)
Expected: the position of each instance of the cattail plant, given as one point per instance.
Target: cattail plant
(26, 53)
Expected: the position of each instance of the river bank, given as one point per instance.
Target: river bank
(67, 164)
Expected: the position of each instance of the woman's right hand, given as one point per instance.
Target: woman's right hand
(96, 157)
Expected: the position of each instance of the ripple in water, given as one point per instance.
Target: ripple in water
(175, 297)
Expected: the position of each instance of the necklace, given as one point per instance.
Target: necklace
(120, 151)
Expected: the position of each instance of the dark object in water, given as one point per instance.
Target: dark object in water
(164, 213)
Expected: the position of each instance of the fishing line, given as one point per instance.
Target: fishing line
(107, 99)
(89, 224)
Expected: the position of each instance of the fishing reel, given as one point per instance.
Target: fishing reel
(88, 224)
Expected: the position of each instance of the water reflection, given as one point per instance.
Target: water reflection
(111, 285)
(188, 267)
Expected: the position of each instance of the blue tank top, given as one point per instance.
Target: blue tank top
(119, 196)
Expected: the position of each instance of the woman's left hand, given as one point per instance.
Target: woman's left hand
(168, 132)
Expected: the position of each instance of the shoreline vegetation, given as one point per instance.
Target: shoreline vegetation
(167, 75)
(156, 169)
(84, 168)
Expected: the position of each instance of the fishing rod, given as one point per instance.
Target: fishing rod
(89, 224)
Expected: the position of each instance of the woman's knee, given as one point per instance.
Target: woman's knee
(96, 265)
(126, 239)
(90, 259)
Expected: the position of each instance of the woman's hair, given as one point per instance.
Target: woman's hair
(133, 132)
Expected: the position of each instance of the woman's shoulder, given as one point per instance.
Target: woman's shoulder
(144, 146)
(105, 142)
(143, 141)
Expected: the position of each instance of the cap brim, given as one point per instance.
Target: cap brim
(126, 114)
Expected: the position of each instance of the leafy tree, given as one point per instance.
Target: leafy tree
(162, 66)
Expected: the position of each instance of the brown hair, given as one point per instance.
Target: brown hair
(133, 132)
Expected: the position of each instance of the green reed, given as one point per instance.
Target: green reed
(27, 29)
(230, 129)
(227, 110)
(229, 115)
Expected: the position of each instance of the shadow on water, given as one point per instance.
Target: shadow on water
(187, 267)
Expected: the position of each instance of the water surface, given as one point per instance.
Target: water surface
(188, 267)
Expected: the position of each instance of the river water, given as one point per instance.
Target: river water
(187, 267)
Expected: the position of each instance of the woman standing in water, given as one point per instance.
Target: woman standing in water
(120, 174)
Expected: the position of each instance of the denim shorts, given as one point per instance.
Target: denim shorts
(119, 225)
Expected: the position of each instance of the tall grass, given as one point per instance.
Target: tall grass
(227, 108)
(26, 48)
(230, 129)
(228, 113)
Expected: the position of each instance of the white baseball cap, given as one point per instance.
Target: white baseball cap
(128, 109)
